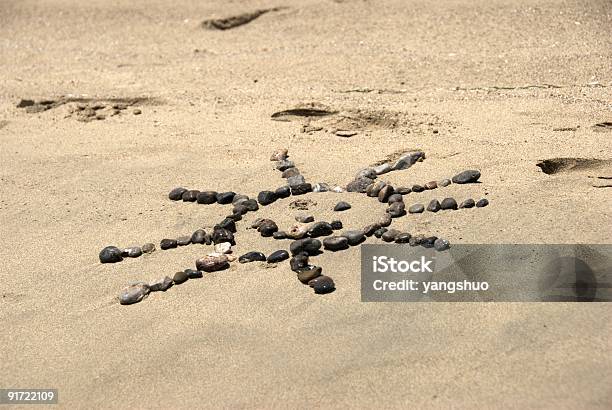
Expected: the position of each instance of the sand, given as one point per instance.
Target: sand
(504, 83)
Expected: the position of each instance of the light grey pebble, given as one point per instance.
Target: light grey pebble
(304, 218)
(161, 284)
(441, 244)
(383, 168)
(133, 293)
(408, 159)
(416, 209)
(148, 247)
(444, 182)
(320, 187)
(183, 240)
(367, 173)
(374, 189)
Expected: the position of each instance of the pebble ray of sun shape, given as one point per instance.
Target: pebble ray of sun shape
(304, 235)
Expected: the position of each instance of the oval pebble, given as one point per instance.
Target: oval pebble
(403, 190)
(239, 198)
(207, 197)
(359, 184)
(342, 206)
(301, 189)
(417, 188)
(266, 197)
(225, 197)
(298, 262)
(223, 235)
(296, 180)
(403, 238)
(431, 185)
(390, 235)
(167, 244)
(198, 236)
(278, 256)
(279, 235)
(212, 263)
(322, 284)
(252, 256)
(335, 243)
(309, 246)
(354, 237)
(441, 244)
(385, 193)
(110, 254)
(396, 210)
(177, 193)
(468, 203)
(374, 189)
(183, 240)
(380, 232)
(290, 172)
(416, 240)
(283, 192)
(190, 196)
(444, 182)
(429, 241)
(434, 206)
(466, 177)
(308, 273)
(383, 168)
(482, 203)
(267, 228)
(223, 247)
(148, 248)
(369, 230)
(194, 274)
(180, 277)
(416, 209)
(395, 198)
(132, 252)
(320, 229)
(321, 187)
(133, 293)
(297, 232)
(366, 173)
(385, 220)
(161, 285)
(280, 154)
(336, 225)
(304, 218)
(448, 203)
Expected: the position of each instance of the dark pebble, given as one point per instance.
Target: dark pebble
(148, 248)
(251, 205)
(193, 274)
(448, 203)
(207, 197)
(239, 198)
(167, 244)
(279, 235)
(304, 218)
(385, 193)
(441, 244)
(208, 239)
(468, 203)
(322, 284)
(434, 206)
(278, 256)
(299, 261)
(403, 190)
(367, 172)
(290, 172)
(336, 225)
(374, 189)
(161, 285)
(183, 240)
(342, 206)
(396, 210)
(369, 230)
(228, 224)
(110, 254)
(416, 240)
(416, 209)
(335, 243)
(309, 246)
(283, 192)
(403, 238)
(320, 229)
(380, 232)
(198, 236)
(267, 227)
(482, 203)
(225, 197)
(176, 194)
(252, 257)
(223, 235)
(417, 188)
(132, 252)
(180, 277)
(235, 217)
(296, 180)
(240, 209)
(266, 197)
(354, 237)
(429, 241)
(284, 165)
(431, 185)
(190, 196)
(390, 235)
(308, 273)
(359, 184)
(395, 198)
(301, 189)
(466, 177)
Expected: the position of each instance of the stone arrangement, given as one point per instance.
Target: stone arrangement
(305, 234)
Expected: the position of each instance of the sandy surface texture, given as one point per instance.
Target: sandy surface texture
(492, 85)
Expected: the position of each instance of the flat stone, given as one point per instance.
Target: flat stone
(468, 203)
(434, 206)
(296, 180)
(284, 164)
(395, 198)
(252, 256)
(441, 244)
(396, 210)
(225, 197)
(194, 274)
(417, 188)
(403, 238)
(354, 237)
(444, 183)
(309, 246)
(409, 159)
(342, 206)
(321, 187)
(390, 235)
(212, 263)
(403, 190)
(198, 236)
(278, 256)
(190, 196)
(223, 247)
(482, 203)
(267, 227)
(385, 193)
(177, 193)
(183, 240)
(308, 273)
(239, 199)
(167, 244)
(320, 229)
(335, 243)
(416, 209)
(301, 189)
(448, 203)
(466, 177)
(161, 285)
(346, 133)
(110, 254)
(431, 185)
(279, 235)
(366, 173)
(133, 293)
(283, 192)
(359, 184)
(207, 197)
(148, 247)
(180, 277)
(322, 285)
(383, 168)
(266, 197)
(290, 172)
(304, 218)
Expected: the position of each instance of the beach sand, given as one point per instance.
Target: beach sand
(490, 85)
